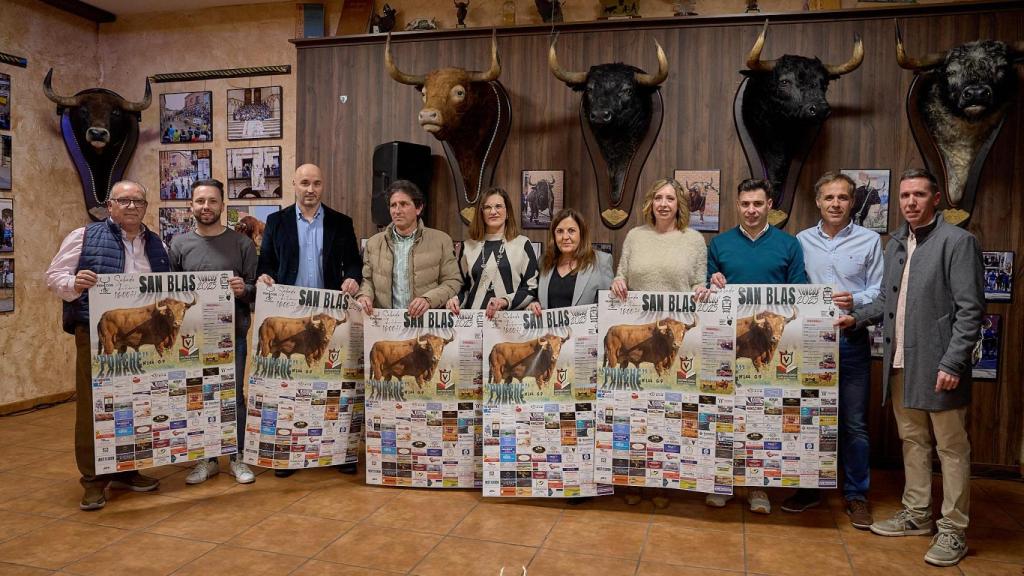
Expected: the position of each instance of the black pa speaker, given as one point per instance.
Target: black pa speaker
(399, 161)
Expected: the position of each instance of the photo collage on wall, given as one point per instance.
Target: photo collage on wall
(870, 198)
(703, 194)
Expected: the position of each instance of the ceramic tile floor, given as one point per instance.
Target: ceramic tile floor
(320, 522)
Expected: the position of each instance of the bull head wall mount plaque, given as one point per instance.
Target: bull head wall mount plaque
(100, 131)
(779, 109)
(470, 114)
(956, 106)
(620, 113)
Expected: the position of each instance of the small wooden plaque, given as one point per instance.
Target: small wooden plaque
(355, 17)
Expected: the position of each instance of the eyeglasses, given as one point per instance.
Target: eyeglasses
(126, 202)
(494, 207)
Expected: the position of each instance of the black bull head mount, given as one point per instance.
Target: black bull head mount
(620, 114)
(779, 109)
(100, 130)
(470, 114)
(956, 106)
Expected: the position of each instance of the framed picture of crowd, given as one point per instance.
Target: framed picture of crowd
(6, 163)
(254, 113)
(998, 276)
(542, 197)
(702, 192)
(5, 102)
(6, 225)
(186, 117)
(986, 353)
(870, 198)
(175, 221)
(6, 284)
(179, 169)
(254, 173)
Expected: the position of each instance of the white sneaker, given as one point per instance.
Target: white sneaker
(202, 471)
(759, 502)
(241, 472)
(717, 500)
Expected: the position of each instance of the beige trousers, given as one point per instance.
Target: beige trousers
(954, 450)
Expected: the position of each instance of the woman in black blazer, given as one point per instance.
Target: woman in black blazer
(572, 272)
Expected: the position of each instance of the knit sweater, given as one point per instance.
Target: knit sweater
(675, 261)
(774, 258)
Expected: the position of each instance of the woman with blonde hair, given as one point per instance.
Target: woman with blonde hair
(571, 272)
(498, 264)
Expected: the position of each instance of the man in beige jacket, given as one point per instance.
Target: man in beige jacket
(408, 265)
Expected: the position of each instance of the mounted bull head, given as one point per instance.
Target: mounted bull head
(620, 113)
(779, 110)
(469, 113)
(109, 124)
(956, 107)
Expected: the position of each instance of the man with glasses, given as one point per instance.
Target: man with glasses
(119, 244)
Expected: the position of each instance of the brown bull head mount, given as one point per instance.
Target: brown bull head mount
(469, 113)
(620, 114)
(956, 106)
(779, 109)
(100, 130)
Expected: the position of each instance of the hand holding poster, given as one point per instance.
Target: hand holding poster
(163, 376)
(423, 398)
(540, 376)
(306, 388)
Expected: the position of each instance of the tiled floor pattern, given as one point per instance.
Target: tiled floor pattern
(320, 522)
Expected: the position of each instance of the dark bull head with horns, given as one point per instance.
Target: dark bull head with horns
(100, 131)
(959, 101)
(783, 107)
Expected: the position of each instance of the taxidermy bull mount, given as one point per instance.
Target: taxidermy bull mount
(620, 113)
(956, 106)
(779, 110)
(100, 131)
(470, 114)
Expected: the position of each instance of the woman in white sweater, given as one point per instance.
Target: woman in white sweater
(663, 255)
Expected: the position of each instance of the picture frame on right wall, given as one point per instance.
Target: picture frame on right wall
(6, 163)
(703, 194)
(254, 113)
(5, 101)
(6, 284)
(6, 225)
(180, 168)
(542, 197)
(870, 198)
(987, 350)
(186, 117)
(254, 173)
(175, 221)
(998, 276)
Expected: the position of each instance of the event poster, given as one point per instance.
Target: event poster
(787, 399)
(423, 383)
(540, 376)
(163, 372)
(665, 391)
(305, 399)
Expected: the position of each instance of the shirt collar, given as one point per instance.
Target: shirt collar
(759, 234)
(848, 229)
(298, 212)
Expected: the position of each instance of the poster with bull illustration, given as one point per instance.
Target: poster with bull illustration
(163, 372)
(305, 399)
(540, 374)
(787, 399)
(423, 382)
(665, 391)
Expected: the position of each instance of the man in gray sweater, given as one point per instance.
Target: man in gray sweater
(932, 309)
(214, 247)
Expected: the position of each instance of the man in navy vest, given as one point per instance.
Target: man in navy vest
(119, 244)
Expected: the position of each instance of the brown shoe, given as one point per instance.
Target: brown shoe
(93, 498)
(135, 482)
(859, 513)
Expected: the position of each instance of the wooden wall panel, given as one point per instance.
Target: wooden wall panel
(868, 129)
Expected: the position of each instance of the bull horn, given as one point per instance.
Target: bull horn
(397, 74)
(65, 101)
(853, 63)
(691, 326)
(916, 64)
(570, 78)
(192, 303)
(650, 81)
(793, 317)
(754, 61)
(568, 334)
(494, 71)
(146, 99)
(450, 338)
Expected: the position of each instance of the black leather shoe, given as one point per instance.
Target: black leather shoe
(348, 469)
(283, 473)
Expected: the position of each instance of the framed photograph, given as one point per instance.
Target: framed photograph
(254, 172)
(251, 220)
(254, 113)
(6, 284)
(179, 169)
(362, 246)
(538, 250)
(6, 225)
(186, 117)
(703, 189)
(175, 221)
(871, 199)
(543, 196)
(606, 247)
(6, 163)
(986, 351)
(877, 340)
(998, 276)
(5, 102)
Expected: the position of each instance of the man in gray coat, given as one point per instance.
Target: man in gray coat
(932, 301)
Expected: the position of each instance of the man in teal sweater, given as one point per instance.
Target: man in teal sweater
(755, 252)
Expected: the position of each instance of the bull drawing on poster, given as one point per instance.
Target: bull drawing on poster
(620, 113)
(309, 337)
(758, 336)
(154, 325)
(535, 358)
(956, 106)
(779, 110)
(657, 343)
(469, 113)
(416, 358)
(100, 131)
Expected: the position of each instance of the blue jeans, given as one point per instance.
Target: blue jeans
(854, 394)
